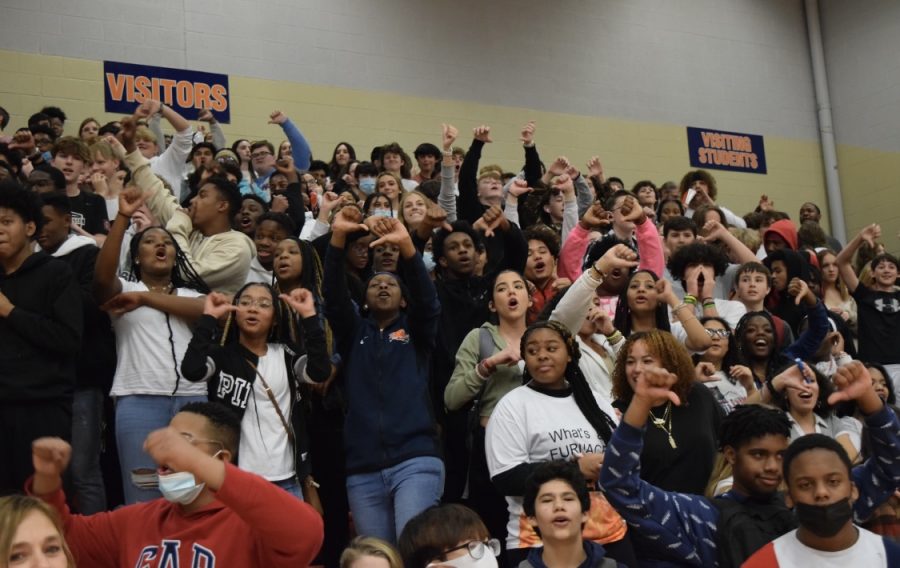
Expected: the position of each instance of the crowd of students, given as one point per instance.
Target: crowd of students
(246, 356)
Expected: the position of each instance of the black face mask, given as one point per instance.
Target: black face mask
(824, 520)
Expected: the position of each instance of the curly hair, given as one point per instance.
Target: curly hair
(669, 351)
(24, 203)
(698, 175)
(697, 253)
(581, 390)
(545, 235)
(437, 241)
(749, 421)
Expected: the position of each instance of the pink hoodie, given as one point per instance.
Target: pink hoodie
(573, 250)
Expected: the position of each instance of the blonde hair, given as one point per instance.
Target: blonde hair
(370, 546)
(144, 133)
(491, 171)
(13, 510)
(103, 148)
(406, 195)
(749, 237)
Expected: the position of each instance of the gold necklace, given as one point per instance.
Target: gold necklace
(665, 423)
(167, 289)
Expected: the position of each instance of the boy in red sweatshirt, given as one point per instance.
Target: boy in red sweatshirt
(213, 513)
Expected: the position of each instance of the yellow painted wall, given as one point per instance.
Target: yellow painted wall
(870, 182)
(326, 115)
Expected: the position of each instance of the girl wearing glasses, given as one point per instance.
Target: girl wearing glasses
(255, 368)
(718, 367)
(448, 535)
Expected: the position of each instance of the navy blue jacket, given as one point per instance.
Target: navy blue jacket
(389, 414)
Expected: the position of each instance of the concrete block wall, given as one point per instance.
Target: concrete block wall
(611, 77)
(733, 64)
(862, 40)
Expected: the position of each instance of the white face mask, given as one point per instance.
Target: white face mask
(428, 259)
(180, 487)
(379, 212)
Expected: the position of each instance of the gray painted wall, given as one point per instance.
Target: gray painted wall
(862, 54)
(731, 64)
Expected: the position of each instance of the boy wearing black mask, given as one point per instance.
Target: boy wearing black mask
(820, 486)
(725, 531)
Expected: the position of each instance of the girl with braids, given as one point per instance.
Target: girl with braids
(296, 265)
(680, 442)
(554, 416)
(255, 368)
(719, 368)
(151, 317)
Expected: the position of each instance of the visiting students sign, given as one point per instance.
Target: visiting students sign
(126, 85)
(721, 150)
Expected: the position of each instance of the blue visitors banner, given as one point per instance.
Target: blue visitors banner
(126, 85)
(732, 151)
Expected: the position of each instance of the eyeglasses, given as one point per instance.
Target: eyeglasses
(227, 160)
(476, 549)
(256, 155)
(723, 333)
(261, 303)
(195, 441)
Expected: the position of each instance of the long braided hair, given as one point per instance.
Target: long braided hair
(581, 390)
(277, 333)
(183, 276)
(311, 278)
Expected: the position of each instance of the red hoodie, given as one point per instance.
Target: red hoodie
(784, 229)
(252, 523)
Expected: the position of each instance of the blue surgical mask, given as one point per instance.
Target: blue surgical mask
(180, 487)
(379, 212)
(367, 185)
(428, 259)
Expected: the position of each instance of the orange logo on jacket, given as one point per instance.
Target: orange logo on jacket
(399, 335)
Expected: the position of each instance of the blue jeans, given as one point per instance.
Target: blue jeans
(136, 416)
(383, 502)
(292, 486)
(87, 433)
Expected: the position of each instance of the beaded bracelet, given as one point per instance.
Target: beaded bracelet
(680, 306)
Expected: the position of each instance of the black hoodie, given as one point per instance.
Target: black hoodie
(96, 360)
(40, 339)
